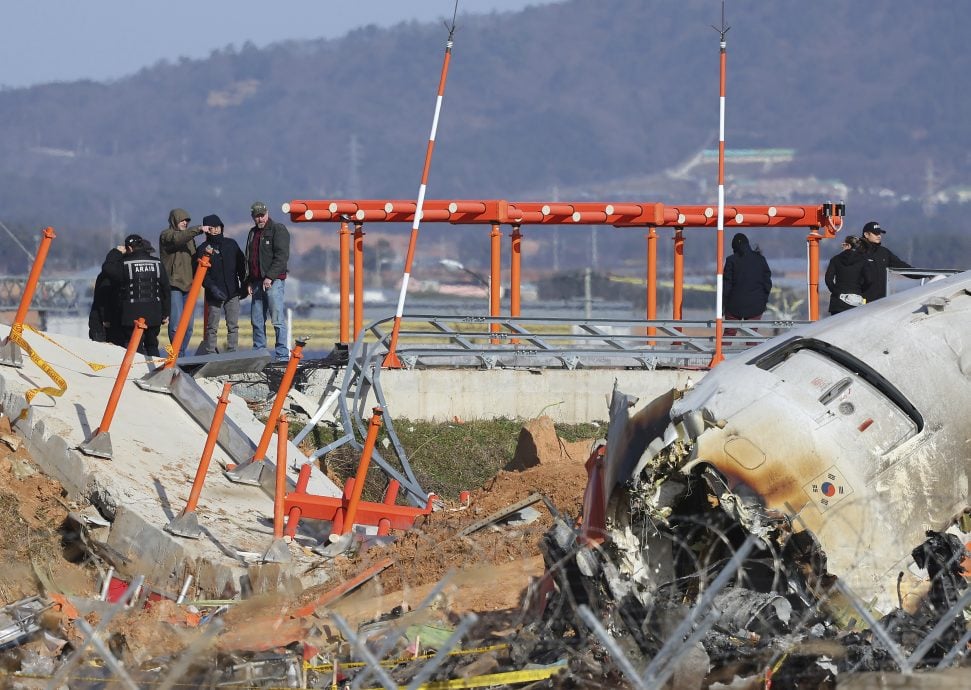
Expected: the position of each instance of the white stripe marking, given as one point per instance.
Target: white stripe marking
(721, 119)
(438, 109)
(401, 295)
(718, 295)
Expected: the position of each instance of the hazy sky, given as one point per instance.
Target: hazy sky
(66, 40)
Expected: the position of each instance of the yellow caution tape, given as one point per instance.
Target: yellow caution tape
(17, 336)
(402, 660)
(95, 366)
(505, 678)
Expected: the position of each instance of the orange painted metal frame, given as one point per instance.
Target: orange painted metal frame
(496, 212)
(349, 509)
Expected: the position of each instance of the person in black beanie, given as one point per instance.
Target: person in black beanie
(223, 284)
(142, 290)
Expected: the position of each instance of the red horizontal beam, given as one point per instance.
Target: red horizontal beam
(492, 211)
(326, 507)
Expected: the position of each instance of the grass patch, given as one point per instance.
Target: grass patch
(446, 457)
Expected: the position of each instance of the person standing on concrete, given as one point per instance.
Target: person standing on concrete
(223, 284)
(747, 282)
(177, 250)
(267, 253)
(142, 290)
(846, 277)
(103, 319)
(878, 260)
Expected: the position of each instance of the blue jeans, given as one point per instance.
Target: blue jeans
(175, 314)
(269, 303)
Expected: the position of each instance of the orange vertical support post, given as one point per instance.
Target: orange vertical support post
(32, 279)
(677, 290)
(133, 343)
(100, 443)
(190, 305)
(362, 468)
(358, 278)
(515, 273)
(211, 439)
(651, 278)
(812, 242)
(293, 517)
(186, 524)
(280, 492)
(345, 281)
(495, 277)
(10, 348)
(281, 396)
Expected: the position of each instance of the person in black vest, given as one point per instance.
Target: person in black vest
(846, 277)
(747, 283)
(141, 290)
(223, 284)
(878, 260)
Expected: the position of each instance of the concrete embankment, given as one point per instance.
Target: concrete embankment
(572, 397)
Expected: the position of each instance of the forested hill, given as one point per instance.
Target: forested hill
(563, 96)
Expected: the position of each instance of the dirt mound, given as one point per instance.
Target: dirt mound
(425, 554)
(539, 445)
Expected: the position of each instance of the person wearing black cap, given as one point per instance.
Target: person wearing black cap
(878, 260)
(141, 290)
(177, 249)
(223, 284)
(267, 253)
(747, 282)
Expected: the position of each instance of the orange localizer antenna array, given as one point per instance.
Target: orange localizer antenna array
(391, 359)
(720, 260)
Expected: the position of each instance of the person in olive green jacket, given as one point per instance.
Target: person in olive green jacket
(177, 250)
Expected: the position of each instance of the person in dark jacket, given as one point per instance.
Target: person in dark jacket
(223, 284)
(747, 282)
(846, 277)
(177, 250)
(103, 319)
(141, 290)
(878, 260)
(267, 253)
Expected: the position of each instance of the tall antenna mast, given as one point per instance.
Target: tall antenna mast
(720, 258)
(391, 359)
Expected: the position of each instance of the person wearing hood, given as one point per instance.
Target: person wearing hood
(177, 250)
(747, 283)
(141, 290)
(846, 277)
(223, 284)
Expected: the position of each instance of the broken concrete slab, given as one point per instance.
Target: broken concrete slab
(156, 450)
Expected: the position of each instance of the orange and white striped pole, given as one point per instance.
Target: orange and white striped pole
(391, 359)
(720, 254)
